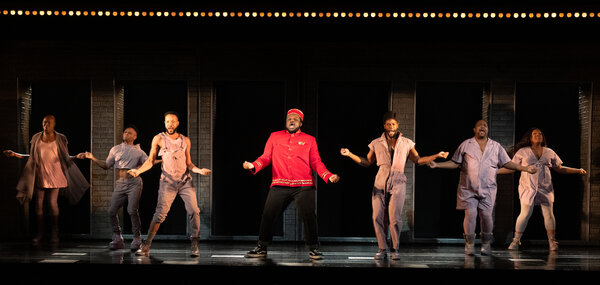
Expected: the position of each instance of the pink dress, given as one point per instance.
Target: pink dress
(536, 189)
(49, 171)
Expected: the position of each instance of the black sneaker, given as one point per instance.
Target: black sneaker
(315, 254)
(259, 251)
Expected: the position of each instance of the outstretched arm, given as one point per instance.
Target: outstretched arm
(190, 164)
(569, 170)
(505, 170)
(513, 166)
(91, 157)
(10, 153)
(413, 155)
(445, 165)
(366, 162)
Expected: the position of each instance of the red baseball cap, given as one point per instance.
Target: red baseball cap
(296, 111)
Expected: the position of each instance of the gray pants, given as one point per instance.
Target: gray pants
(167, 191)
(130, 190)
(387, 210)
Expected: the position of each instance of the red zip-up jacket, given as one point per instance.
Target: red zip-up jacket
(294, 157)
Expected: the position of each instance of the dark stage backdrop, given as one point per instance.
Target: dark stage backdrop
(553, 108)
(446, 113)
(246, 114)
(349, 115)
(145, 103)
(69, 102)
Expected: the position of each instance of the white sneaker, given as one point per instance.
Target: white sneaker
(381, 254)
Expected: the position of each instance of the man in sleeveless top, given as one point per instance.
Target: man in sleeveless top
(389, 191)
(128, 189)
(294, 156)
(479, 159)
(175, 180)
(49, 168)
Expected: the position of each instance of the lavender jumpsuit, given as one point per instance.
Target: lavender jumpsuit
(389, 190)
(124, 156)
(477, 186)
(176, 180)
(536, 189)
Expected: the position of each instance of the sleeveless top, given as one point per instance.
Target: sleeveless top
(174, 164)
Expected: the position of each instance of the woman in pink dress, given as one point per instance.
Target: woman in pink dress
(536, 188)
(49, 168)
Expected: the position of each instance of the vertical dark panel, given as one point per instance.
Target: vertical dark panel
(246, 114)
(445, 116)
(69, 102)
(145, 105)
(554, 108)
(349, 115)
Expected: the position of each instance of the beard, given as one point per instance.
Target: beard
(395, 134)
(171, 131)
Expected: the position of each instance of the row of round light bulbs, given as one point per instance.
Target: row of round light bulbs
(461, 15)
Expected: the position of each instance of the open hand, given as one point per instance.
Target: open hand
(204, 171)
(9, 153)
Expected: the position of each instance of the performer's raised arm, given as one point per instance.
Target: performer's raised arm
(366, 162)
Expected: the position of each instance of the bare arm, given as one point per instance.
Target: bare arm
(190, 164)
(569, 170)
(10, 153)
(91, 157)
(505, 170)
(513, 166)
(413, 155)
(147, 165)
(445, 165)
(366, 162)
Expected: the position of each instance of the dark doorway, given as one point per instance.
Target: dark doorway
(145, 103)
(246, 114)
(553, 108)
(69, 102)
(349, 115)
(445, 115)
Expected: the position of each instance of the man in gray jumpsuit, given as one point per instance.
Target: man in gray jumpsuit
(123, 157)
(175, 180)
(390, 151)
(479, 159)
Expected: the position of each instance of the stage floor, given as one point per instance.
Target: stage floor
(169, 261)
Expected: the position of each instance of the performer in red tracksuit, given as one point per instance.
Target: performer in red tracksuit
(294, 156)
